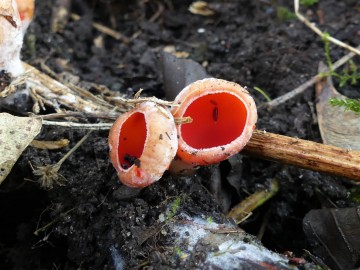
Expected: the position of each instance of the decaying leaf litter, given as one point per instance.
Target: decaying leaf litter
(219, 53)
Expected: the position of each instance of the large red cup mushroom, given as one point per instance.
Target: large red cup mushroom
(143, 142)
(223, 119)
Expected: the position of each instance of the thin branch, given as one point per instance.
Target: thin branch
(104, 29)
(109, 116)
(73, 125)
(298, 90)
(320, 33)
(305, 154)
(277, 101)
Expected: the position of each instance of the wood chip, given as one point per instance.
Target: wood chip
(50, 145)
(201, 8)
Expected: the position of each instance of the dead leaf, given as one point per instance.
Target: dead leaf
(337, 127)
(201, 8)
(50, 145)
(15, 135)
(336, 235)
(178, 73)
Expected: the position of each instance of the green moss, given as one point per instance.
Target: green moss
(350, 73)
(308, 3)
(349, 104)
(355, 194)
(283, 14)
(174, 207)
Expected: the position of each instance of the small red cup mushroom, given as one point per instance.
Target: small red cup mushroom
(143, 142)
(223, 119)
(26, 11)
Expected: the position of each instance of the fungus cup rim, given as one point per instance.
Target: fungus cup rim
(151, 168)
(201, 88)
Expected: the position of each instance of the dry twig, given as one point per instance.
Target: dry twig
(312, 81)
(298, 90)
(320, 33)
(49, 174)
(104, 29)
(305, 154)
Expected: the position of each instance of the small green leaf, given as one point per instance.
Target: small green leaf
(308, 3)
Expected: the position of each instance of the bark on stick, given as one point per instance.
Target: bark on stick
(305, 154)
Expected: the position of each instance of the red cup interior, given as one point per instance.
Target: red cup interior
(218, 119)
(132, 140)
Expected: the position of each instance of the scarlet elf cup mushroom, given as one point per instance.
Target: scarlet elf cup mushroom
(223, 119)
(143, 142)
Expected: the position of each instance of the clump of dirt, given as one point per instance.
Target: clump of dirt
(79, 225)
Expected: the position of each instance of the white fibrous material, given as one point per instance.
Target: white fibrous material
(11, 38)
(226, 246)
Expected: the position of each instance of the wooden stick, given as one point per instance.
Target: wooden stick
(305, 154)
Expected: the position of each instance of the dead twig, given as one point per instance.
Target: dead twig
(73, 125)
(300, 89)
(353, 51)
(48, 91)
(104, 29)
(97, 115)
(305, 154)
(49, 174)
(320, 33)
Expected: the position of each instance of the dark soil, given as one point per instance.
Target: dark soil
(93, 214)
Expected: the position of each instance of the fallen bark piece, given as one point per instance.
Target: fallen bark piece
(15, 135)
(337, 127)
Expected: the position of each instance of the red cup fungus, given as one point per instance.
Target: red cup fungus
(26, 11)
(143, 142)
(223, 119)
